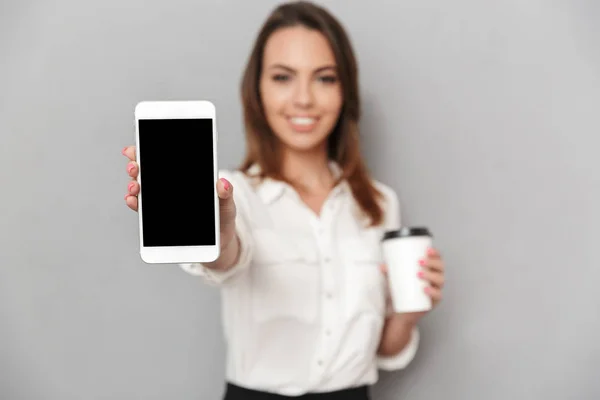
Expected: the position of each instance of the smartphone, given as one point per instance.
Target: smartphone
(176, 150)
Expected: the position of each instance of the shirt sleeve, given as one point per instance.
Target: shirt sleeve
(404, 357)
(392, 220)
(217, 277)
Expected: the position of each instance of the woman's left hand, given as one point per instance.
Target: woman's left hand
(433, 272)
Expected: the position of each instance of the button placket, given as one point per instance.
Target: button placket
(329, 296)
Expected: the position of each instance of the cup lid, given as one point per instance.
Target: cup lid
(406, 231)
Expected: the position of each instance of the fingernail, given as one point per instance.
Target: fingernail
(123, 151)
(130, 186)
(130, 168)
(420, 274)
(430, 251)
(422, 262)
(226, 183)
(126, 196)
(427, 290)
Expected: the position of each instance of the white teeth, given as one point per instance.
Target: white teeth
(303, 121)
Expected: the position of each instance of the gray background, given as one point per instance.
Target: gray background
(482, 115)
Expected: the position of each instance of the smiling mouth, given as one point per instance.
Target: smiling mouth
(302, 121)
(303, 124)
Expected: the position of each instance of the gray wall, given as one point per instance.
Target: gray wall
(483, 115)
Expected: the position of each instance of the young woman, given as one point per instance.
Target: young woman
(304, 292)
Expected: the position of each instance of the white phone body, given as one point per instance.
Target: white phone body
(178, 205)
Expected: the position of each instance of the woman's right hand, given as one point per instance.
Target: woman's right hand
(227, 207)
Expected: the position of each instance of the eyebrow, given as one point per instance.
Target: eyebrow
(320, 69)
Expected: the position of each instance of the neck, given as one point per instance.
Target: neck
(308, 170)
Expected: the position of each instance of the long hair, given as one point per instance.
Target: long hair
(343, 143)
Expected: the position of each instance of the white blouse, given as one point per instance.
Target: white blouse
(304, 307)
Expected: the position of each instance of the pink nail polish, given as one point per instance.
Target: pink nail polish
(226, 183)
(126, 196)
(130, 186)
(123, 151)
(420, 274)
(130, 168)
(422, 262)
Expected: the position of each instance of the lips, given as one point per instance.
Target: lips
(303, 124)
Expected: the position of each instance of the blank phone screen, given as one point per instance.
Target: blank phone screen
(177, 182)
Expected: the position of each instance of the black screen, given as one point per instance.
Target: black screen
(177, 182)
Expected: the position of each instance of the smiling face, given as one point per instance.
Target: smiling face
(299, 87)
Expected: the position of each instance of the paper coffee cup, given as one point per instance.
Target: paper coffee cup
(402, 250)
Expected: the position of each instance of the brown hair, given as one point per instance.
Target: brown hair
(343, 142)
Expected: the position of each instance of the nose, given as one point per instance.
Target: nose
(303, 94)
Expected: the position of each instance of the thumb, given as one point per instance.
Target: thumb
(383, 269)
(227, 208)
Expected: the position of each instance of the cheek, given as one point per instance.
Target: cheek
(273, 98)
(331, 101)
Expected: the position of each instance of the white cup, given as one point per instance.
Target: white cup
(402, 250)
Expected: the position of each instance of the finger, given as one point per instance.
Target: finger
(224, 189)
(133, 188)
(132, 169)
(433, 253)
(434, 264)
(433, 278)
(434, 293)
(383, 269)
(227, 207)
(129, 152)
(132, 202)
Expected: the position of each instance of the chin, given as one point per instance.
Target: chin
(304, 142)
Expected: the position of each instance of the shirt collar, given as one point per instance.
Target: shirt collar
(270, 189)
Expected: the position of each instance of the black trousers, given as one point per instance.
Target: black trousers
(233, 392)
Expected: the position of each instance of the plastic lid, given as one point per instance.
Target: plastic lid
(407, 232)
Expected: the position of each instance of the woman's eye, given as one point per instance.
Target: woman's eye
(280, 78)
(328, 79)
